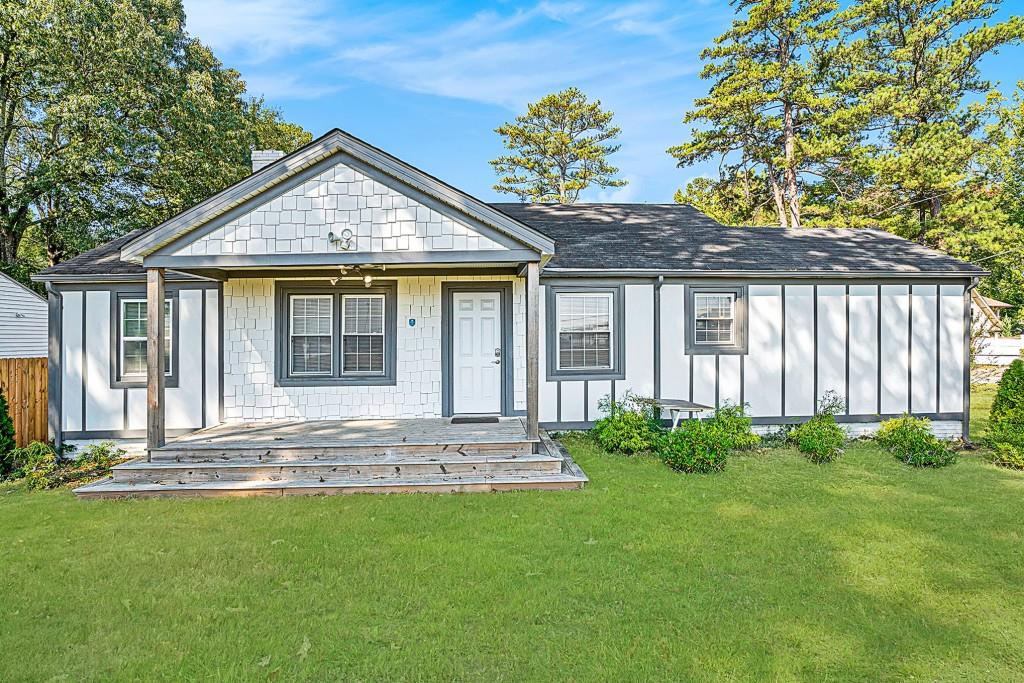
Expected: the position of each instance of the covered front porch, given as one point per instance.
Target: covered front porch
(439, 455)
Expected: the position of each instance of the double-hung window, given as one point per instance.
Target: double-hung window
(584, 332)
(133, 335)
(715, 317)
(716, 320)
(336, 335)
(310, 337)
(362, 330)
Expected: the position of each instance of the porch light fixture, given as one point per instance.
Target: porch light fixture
(367, 280)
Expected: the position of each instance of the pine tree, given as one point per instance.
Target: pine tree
(763, 113)
(559, 148)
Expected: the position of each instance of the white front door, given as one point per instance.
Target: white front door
(476, 352)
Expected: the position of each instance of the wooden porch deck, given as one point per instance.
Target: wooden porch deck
(346, 456)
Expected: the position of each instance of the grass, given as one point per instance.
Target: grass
(776, 569)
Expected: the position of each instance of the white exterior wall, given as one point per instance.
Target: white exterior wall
(88, 402)
(249, 391)
(381, 218)
(803, 340)
(23, 316)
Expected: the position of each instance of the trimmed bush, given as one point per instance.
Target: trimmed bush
(820, 438)
(704, 445)
(696, 446)
(1008, 405)
(7, 444)
(1006, 426)
(910, 439)
(737, 426)
(631, 425)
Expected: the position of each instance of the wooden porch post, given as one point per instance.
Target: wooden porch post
(154, 359)
(532, 348)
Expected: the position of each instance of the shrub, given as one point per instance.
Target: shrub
(630, 426)
(820, 438)
(704, 445)
(1007, 455)
(910, 439)
(734, 422)
(7, 443)
(45, 469)
(696, 446)
(1008, 405)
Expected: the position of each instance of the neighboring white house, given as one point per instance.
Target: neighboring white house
(23, 319)
(340, 282)
(992, 346)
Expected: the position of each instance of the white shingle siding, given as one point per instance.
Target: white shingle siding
(381, 220)
(249, 391)
(23, 317)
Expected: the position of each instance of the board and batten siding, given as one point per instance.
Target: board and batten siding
(884, 349)
(23, 316)
(91, 408)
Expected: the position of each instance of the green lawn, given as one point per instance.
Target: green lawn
(776, 569)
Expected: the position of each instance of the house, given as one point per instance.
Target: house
(991, 345)
(23, 317)
(23, 350)
(340, 320)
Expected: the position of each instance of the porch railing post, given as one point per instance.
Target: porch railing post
(532, 349)
(154, 360)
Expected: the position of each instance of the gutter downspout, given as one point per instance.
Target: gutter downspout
(966, 422)
(55, 346)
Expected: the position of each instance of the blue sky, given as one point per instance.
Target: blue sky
(429, 82)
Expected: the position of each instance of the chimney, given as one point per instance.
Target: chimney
(264, 157)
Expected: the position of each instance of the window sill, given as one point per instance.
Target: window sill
(715, 350)
(334, 382)
(170, 382)
(584, 375)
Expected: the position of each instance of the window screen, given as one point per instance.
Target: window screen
(584, 331)
(310, 335)
(714, 318)
(362, 334)
(134, 321)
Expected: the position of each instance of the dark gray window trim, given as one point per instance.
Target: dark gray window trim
(507, 341)
(618, 369)
(737, 347)
(282, 290)
(116, 296)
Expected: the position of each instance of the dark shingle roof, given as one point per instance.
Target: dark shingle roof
(674, 237)
(663, 237)
(103, 260)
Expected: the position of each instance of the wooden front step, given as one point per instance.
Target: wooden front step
(352, 470)
(108, 488)
(292, 452)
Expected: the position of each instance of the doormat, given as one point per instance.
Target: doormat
(474, 420)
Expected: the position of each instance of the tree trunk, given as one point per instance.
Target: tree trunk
(9, 242)
(780, 202)
(792, 188)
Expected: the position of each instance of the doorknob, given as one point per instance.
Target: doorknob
(496, 361)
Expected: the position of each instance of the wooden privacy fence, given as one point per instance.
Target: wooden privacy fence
(23, 381)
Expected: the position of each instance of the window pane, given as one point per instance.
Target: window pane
(363, 314)
(311, 355)
(363, 354)
(134, 332)
(584, 331)
(713, 318)
(311, 351)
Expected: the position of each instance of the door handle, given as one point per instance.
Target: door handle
(497, 361)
